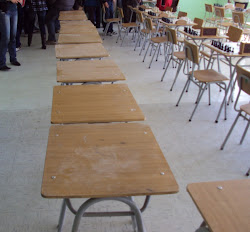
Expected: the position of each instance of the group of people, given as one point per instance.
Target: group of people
(14, 12)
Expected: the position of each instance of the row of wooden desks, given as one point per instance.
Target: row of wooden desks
(114, 161)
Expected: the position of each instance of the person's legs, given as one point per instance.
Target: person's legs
(50, 21)
(111, 12)
(41, 20)
(19, 25)
(13, 27)
(98, 16)
(31, 21)
(5, 37)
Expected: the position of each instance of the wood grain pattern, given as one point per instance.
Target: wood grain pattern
(85, 23)
(94, 103)
(88, 70)
(72, 12)
(89, 37)
(202, 37)
(77, 29)
(227, 209)
(72, 17)
(105, 160)
(71, 51)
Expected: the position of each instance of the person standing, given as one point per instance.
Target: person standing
(109, 12)
(8, 27)
(39, 8)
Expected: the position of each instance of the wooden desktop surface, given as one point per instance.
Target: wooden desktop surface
(226, 209)
(88, 37)
(72, 12)
(77, 29)
(73, 51)
(73, 23)
(88, 70)
(72, 17)
(94, 103)
(105, 160)
(203, 37)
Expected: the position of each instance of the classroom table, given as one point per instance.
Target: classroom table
(72, 12)
(175, 25)
(72, 17)
(77, 29)
(82, 71)
(72, 23)
(94, 103)
(77, 51)
(224, 205)
(229, 58)
(105, 162)
(87, 37)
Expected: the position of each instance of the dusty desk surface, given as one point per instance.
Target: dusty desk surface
(71, 23)
(94, 103)
(90, 37)
(72, 17)
(73, 51)
(105, 160)
(88, 70)
(224, 205)
(77, 29)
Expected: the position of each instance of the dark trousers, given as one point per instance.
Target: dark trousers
(94, 14)
(20, 22)
(51, 17)
(109, 15)
(41, 20)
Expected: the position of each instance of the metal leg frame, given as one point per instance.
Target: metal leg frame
(135, 212)
(177, 74)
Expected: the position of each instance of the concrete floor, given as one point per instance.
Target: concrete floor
(191, 148)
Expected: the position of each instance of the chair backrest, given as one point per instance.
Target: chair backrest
(181, 22)
(182, 14)
(139, 16)
(120, 13)
(191, 52)
(199, 23)
(243, 78)
(238, 17)
(239, 5)
(148, 24)
(234, 33)
(208, 8)
(143, 7)
(171, 35)
(219, 12)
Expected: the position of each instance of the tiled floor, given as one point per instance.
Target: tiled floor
(191, 148)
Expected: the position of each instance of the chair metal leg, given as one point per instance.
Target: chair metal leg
(138, 40)
(153, 56)
(244, 134)
(166, 69)
(143, 45)
(126, 32)
(187, 83)
(248, 172)
(62, 215)
(177, 74)
(202, 92)
(146, 52)
(230, 131)
(209, 94)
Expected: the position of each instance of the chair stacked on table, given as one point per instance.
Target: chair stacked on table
(91, 152)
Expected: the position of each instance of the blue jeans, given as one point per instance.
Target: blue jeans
(8, 27)
(51, 18)
(109, 15)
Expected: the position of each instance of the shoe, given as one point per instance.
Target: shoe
(48, 42)
(114, 33)
(5, 68)
(18, 49)
(15, 63)
(109, 33)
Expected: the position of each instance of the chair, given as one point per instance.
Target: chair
(125, 26)
(178, 57)
(209, 11)
(243, 78)
(168, 8)
(108, 21)
(234, 34)
(239, 19)
(201, 78)
(239, 5)
(181, 14)
(222, 22)
(199, 23)
(156, 42)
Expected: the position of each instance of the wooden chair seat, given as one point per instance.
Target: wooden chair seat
(180, 55)
(129, 25)
(147, 31)
(246, 108)
(161, 39)
(113, 20)
(209, 75)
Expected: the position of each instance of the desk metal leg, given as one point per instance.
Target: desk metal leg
(62, 214)
(88, 203)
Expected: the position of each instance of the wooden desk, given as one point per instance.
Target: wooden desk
(72, 12)
(90, 37)
(80, 23)
(174, 25)
(72, 17)
(105, 162)
(77, 29)
(74, 51)
(94, 103)
(88, 71)
(226, 209)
